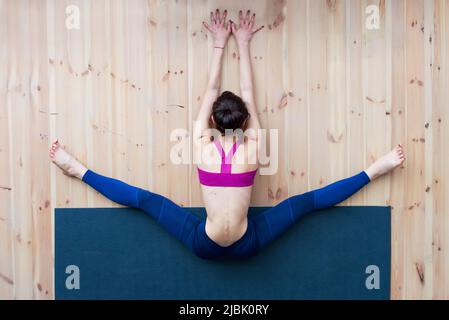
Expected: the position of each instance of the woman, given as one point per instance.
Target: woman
(227, 174)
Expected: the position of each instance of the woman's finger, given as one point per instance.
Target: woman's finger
(225, 15)
(206, 25)
(233, 27)
(253, 19)
(241, 17)
(248, 17)
(212, 17)
(258, 29)
(217, 16)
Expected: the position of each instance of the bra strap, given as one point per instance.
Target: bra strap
(226, 160)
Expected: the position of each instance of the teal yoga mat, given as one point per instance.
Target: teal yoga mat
(125, 254)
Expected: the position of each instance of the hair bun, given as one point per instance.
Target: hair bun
(229, 112)
(227, 94)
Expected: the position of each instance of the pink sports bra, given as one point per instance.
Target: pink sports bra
(225, 178)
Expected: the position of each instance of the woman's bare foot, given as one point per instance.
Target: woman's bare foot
(387, 163)
(64, 160)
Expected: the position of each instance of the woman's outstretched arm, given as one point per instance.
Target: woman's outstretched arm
(220, 30)
(243, 35)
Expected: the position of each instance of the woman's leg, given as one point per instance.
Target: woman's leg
(275, 221)
(177, 221)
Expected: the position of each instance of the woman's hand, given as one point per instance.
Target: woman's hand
(219, 28)
(244, 33)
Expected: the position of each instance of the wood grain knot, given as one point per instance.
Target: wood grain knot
(420, 271)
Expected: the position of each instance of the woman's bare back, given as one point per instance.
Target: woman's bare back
(227, 207)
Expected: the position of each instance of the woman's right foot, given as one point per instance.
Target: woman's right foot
(66, 162)
(387, 163)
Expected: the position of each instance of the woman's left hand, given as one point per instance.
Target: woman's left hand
(220, 29)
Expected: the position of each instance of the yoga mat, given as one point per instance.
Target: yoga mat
(125, 254)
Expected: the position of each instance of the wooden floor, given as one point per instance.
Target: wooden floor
(340, 94)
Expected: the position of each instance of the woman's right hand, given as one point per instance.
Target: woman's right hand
(219, 28)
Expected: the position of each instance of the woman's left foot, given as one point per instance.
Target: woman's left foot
(387, 163)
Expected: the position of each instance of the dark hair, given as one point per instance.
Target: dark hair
(229, 112)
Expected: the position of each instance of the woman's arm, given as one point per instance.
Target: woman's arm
(243, 35)
(220, 30)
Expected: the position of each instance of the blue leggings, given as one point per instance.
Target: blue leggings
(262, 228)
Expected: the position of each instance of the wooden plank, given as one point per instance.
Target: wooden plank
(388, 90)
(429, 33)
(169, 98)
(398, 135)
(415, 241)
(178, 95)
(276, 97)
(41, 212)
(297, 124)
(118, 88)
(75, 109)
(319, 153)
(98, 92)
(259, 52)
(18, 107)
(49, 8)
(159, 76)
(337, 113)
(198, 75)
(66, 95)
(445, 155)
(356, 112)
(51, 73)
(437, 127)
(6, 240)
(374, 95)
(137, 120)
